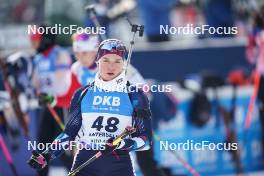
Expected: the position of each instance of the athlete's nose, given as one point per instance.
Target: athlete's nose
(111, 66)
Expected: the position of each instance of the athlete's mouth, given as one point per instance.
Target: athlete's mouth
(110, 74)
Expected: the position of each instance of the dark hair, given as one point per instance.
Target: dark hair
(48, 39)
(258, 18)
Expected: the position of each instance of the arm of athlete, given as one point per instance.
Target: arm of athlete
(142, 138)
(40, 160)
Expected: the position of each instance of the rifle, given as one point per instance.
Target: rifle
(14, 93)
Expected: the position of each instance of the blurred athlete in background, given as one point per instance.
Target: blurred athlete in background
(51, 76)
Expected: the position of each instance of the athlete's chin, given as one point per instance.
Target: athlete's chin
(107, 78)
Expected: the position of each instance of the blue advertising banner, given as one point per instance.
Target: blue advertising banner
(180, 136)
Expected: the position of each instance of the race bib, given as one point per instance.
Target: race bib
(102, 126)
(104, 115)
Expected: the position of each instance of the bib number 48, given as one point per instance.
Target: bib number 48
(111, 126)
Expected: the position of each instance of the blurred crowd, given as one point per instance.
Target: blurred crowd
(111, 14)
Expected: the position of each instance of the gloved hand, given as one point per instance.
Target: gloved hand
(38, 161)
(109, 147)
(45, 99)
(122, 145)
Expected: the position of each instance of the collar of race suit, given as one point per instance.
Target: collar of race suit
(116, 84)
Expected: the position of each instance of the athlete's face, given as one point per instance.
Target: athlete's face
(110, 66)
(86, 58)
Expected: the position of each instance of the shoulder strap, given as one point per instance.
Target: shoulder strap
(128, 92)
(138, 112)
(85, 90)
(79, 94)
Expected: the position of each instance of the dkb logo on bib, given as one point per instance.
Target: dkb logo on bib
(106, 100)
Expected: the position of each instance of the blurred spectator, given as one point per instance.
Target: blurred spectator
(19, 12)
(218, 13)
(101, 14)
(154, 14)
(56, 13)
(108, 12)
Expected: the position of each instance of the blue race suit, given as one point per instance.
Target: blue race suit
(95, 116)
